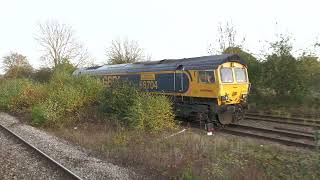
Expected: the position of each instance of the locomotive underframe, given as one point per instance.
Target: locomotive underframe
(208, 110)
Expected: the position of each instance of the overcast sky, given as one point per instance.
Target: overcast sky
(164, 28)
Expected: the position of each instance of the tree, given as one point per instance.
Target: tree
(227, 38)
(254, 66)
(59, 44)
(16, 65)
(282, 71)
(121, 52)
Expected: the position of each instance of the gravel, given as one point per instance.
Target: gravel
(19, 162)
(73, 157)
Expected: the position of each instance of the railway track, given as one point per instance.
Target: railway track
(284, 120)
(280, 136)
(66, 172)
(283, 135)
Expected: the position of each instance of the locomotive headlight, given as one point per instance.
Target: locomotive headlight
(244, 97)
(224, 98)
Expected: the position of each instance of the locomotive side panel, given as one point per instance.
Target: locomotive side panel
(159, 82)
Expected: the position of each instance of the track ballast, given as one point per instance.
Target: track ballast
(66, 172)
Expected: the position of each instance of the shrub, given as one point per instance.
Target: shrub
(138, 110)
(42, 75)
(31, 93)
(38, 116)
(151, 112)
(66, 95)
(20, 94)
(119, 98)
(19, 72)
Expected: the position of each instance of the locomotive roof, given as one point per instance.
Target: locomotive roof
(195, 63)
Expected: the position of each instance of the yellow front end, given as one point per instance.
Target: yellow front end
(233, 83)
(233, 91)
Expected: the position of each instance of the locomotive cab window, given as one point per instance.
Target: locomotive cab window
(226, 75)
(206, 77)
(241, 75)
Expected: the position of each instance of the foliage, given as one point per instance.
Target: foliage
(16, 66)
(151, 113)
(254, 67)
(119, 98)
(20, 94)
(66, 95)
(281, 78)
(42, 75)
(137, 109)
(122, 52)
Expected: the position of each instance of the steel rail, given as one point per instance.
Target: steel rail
(241, 132)
(283, 141)
(296, 119)
(281, 121)
(293, 130)
(67, 171)
(271, 131)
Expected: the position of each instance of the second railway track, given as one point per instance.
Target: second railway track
(284, 120)
(279, 129)
(66, 173)
(283, 137)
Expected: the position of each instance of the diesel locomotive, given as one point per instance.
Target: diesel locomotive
(211, 88)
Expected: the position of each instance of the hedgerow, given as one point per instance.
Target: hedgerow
(67, 94)
(137, 109)
(60, 100)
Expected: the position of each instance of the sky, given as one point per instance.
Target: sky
(165, 29)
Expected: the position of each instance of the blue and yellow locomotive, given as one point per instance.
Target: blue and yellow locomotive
(214, 88)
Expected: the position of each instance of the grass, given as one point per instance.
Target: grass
(192, 155)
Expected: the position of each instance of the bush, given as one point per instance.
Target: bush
(32, 93)
(38, 116)
(138, 110)
(151, 112)
(42, 75)
(19, 72)
(20, 94)
(66, 95)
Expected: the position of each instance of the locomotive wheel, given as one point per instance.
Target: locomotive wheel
(225, 118)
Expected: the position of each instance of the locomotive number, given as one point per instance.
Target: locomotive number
(108, 80)
(148, 84)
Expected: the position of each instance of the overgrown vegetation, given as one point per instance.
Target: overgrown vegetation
(20, 94)
(137, 109)
(191, 155)
(66, 96)
(60, 100)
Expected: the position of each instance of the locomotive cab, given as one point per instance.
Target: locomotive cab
(233, 91)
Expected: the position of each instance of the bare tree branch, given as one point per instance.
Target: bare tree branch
(126, 51)
(59, 44)
(227, 37)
